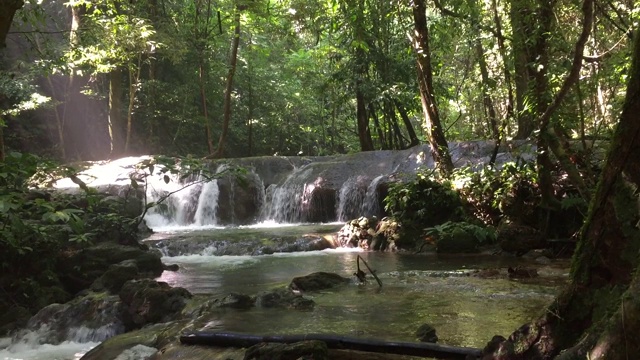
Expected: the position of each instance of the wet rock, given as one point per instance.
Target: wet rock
(80, 269)
(172, 267)
(237, 199)
(92, 317)
(426, 333)
(235, 301)
(137, 352)
(148, 301)
(113, 279)
(520, 239)
(522, 273)
(486, 273)
(312, 350)
(457, 241)
(369, 234)
(317, 281)
(283, 298)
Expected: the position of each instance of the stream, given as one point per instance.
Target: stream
(417, 288)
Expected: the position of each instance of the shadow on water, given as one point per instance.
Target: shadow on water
(417, 288)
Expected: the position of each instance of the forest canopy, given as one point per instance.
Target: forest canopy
(93, 80)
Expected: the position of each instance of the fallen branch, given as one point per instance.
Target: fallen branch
(360, 273)
(333, 342)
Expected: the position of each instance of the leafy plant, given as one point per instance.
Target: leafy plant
(421, 202)
(484, 235)
(490, 193)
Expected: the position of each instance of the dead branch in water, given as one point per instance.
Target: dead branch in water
(240, 340)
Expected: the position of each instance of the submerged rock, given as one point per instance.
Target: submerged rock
(313, 349)
(283, 298)
(317, 281)
(427, 333)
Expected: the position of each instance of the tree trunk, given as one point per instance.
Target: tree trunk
(203, 102)
(116, 127)
(413, 138)
(226, 111)
(134, 83)
(598, 315)
(7, 12)
(439, 146)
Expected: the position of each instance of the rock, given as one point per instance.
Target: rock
(313, 349)
(237, 199)
(457, 241)
(520, 239)
(148, 301)
(113, 279)
(92, 317)
(543, 260)
(426, 333)
(78, 270)
(172, 267)
(235, 301)
(522, 273)
(137, 352)
(283, 298)
(317, 281)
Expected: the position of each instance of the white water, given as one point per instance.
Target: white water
(40, 344)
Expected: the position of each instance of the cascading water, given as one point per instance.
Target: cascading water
(371, 205)
(285, 202)
(207, 204)
(352, 196)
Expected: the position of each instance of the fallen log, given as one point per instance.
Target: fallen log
(241, 340)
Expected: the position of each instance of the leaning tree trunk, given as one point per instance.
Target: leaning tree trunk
(439, 146)
(226, 112)
(598, 315)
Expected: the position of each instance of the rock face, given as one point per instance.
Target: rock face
(148, 301)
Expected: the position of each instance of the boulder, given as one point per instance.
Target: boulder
(457, 241)
(148, 301)
(79, 269)
(283, 298)
(520, 239)
(317, 281)
(117, 274)
(426, 333)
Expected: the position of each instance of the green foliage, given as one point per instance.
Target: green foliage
(422, 202)
(491, 193)
(484, 235)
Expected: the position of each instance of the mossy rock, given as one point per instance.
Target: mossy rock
(148, 301)
(457, 241)
(78, 270)
(317, 281)
(283, 298)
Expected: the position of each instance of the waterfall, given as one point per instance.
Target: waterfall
(285, 202)
(352, 197)
(207, 204)
(278, 189)
(371, 205)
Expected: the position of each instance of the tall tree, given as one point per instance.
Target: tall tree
(598, 315)
(439, 146)
(233, 62)
(8, 9)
